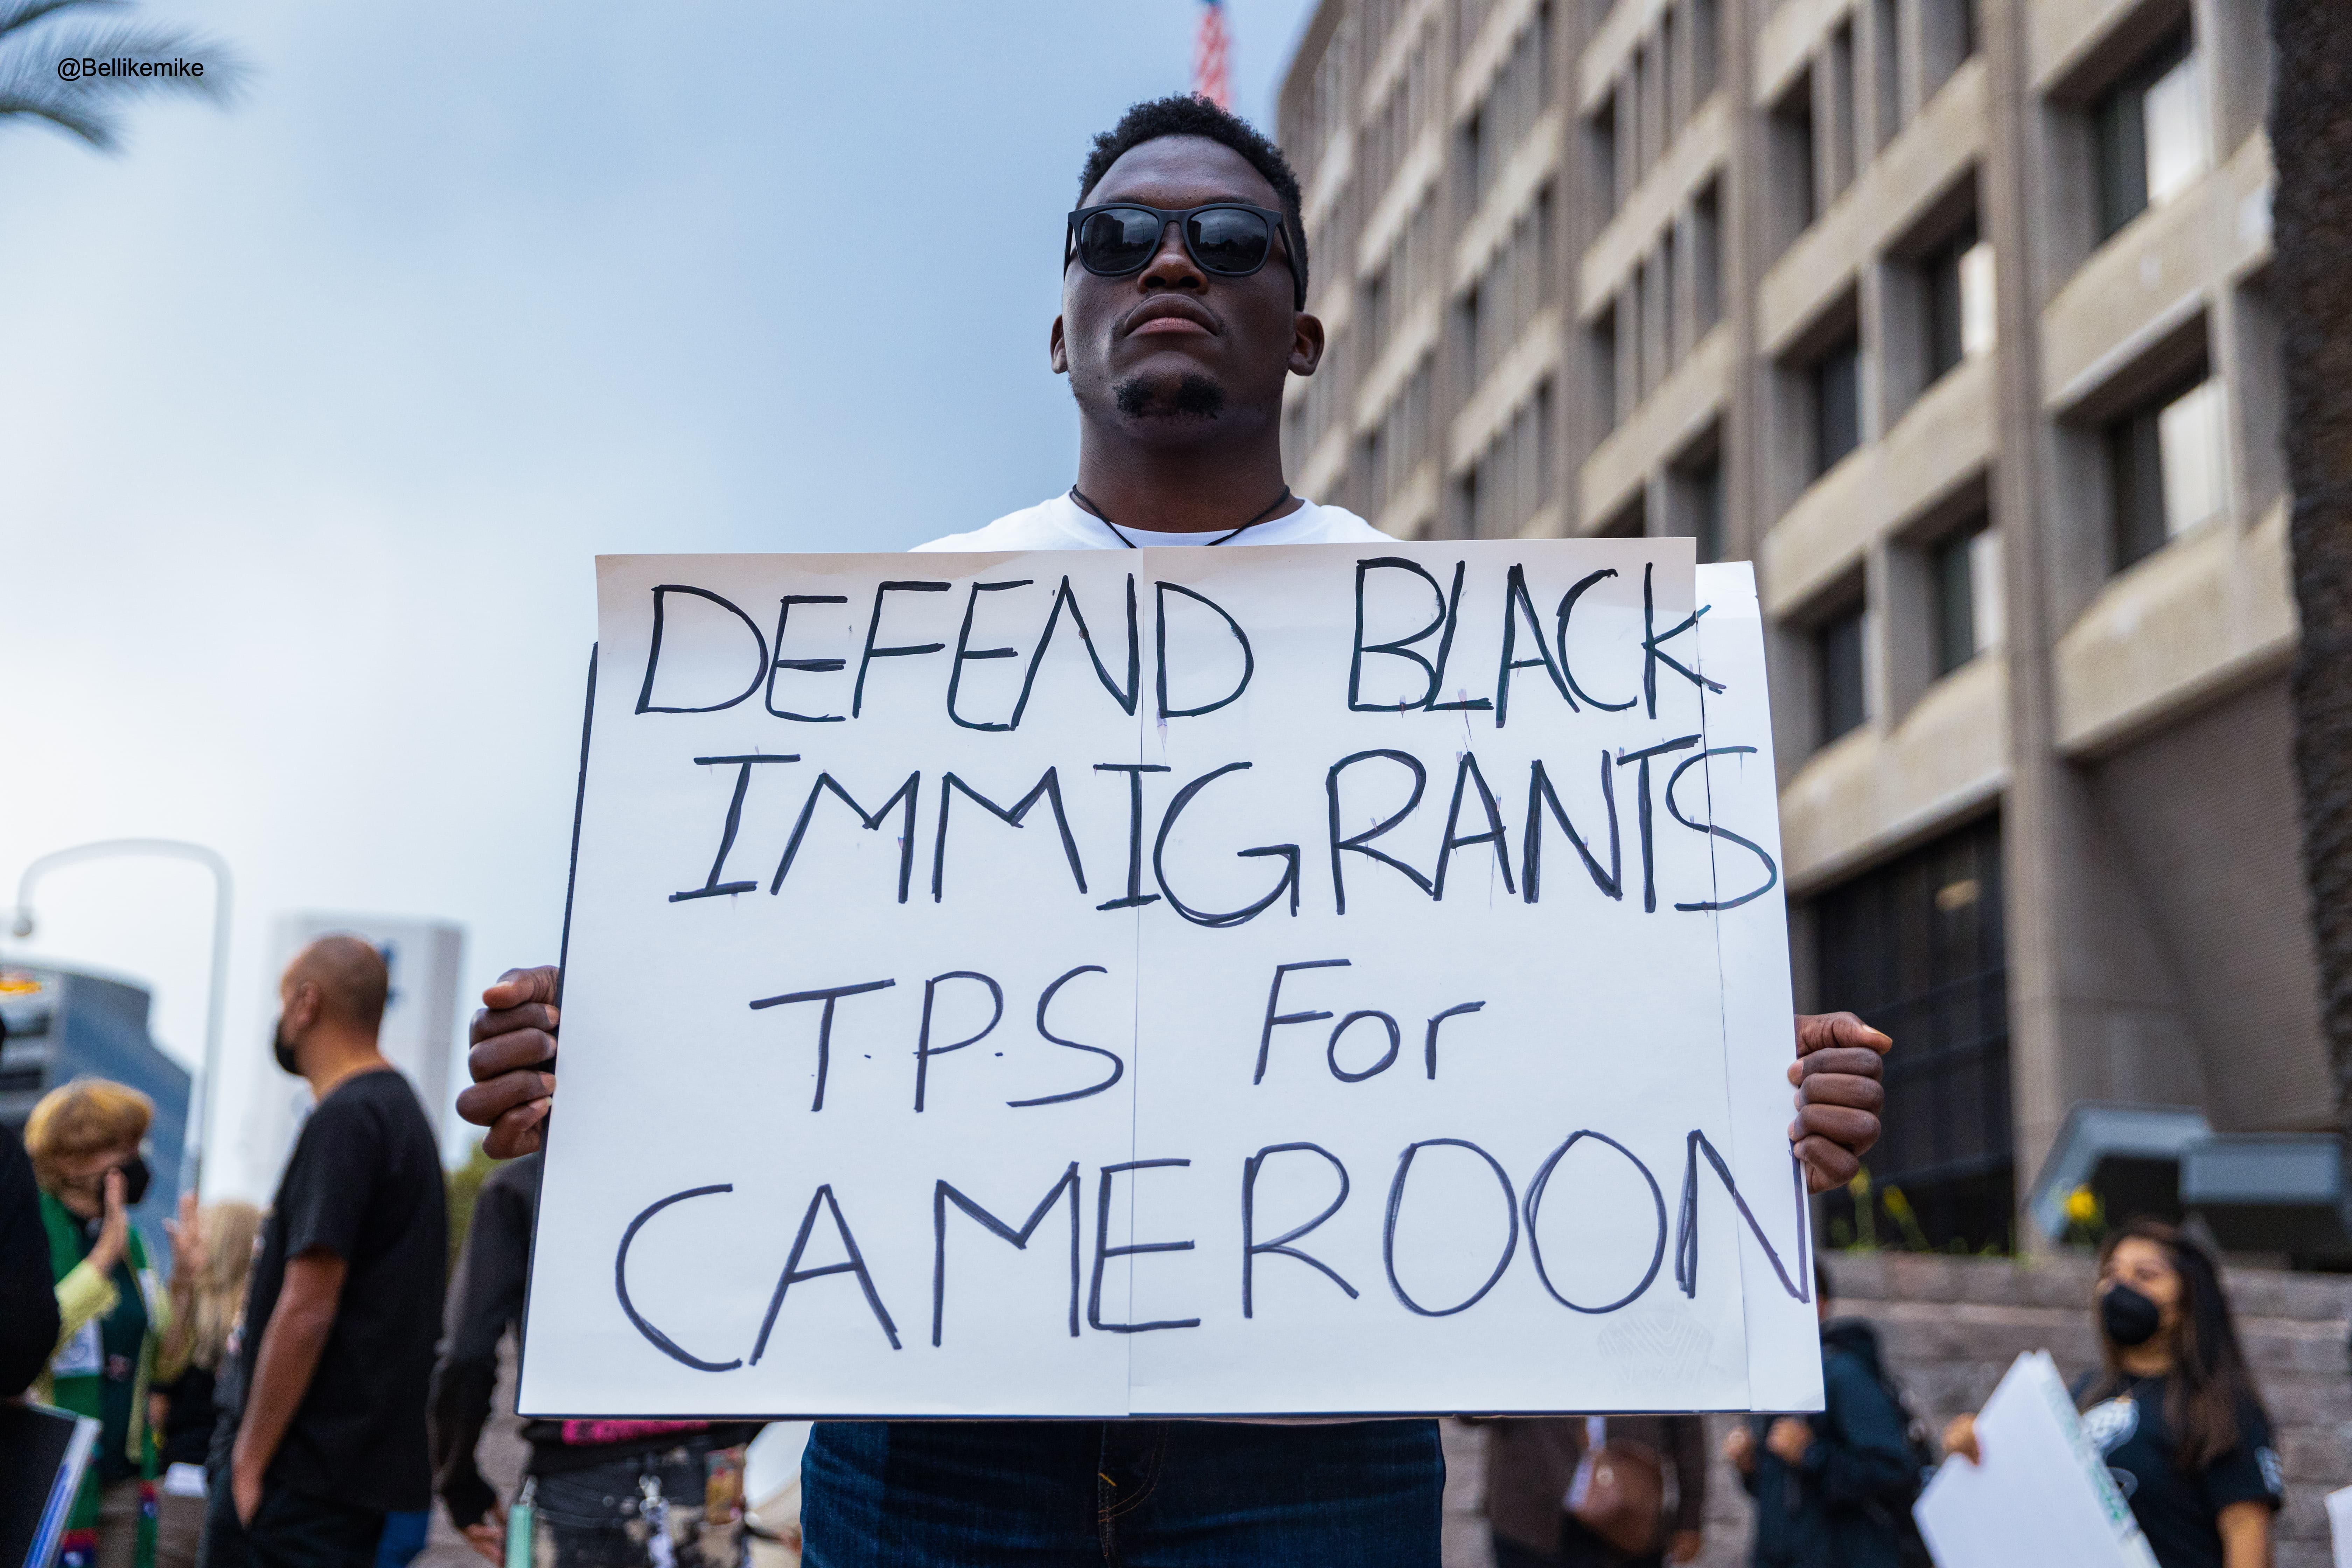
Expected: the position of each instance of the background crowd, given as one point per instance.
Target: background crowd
(292, 1387)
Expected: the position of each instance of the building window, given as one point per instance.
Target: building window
(1600, 152)
(2149, 134)
(1837, 667)
(1701, 484)
(1917, 948)
(1511, 481)
(1956, 298)
(2167, 468)
(1707, 261)
(1643, 92)
(1836, 404)
(1947, 34)
(1513, 104)
(1601, 348)
(1966, 568)
(1668, 268)
(1886, 72)
(1474, 155)
(1473, 367)
(1791, 148)
(1707, 65)
(1844, 127)
(1671, 93)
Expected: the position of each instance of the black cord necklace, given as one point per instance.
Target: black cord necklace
(1086, 502)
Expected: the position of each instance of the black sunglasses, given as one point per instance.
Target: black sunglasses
(1231, 239)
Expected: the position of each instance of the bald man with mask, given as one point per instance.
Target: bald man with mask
(345, 1302)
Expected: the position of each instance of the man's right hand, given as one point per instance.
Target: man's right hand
(114, 1231)
(514, 1048)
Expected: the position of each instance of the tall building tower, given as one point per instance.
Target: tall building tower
(1951, 316)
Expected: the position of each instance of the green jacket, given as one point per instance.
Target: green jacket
(85, 1298)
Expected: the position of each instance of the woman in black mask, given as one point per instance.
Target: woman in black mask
(2175, 1410)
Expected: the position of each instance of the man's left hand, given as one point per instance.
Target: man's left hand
(1685, 1545)
(1836, 1076)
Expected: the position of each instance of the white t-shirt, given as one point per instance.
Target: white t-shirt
(1062, 524)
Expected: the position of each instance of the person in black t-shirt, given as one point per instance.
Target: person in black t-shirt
(2175, 1410)
(588, 1477)
(329, 1392)
(28, 1297)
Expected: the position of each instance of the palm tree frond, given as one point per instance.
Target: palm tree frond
(19, 14)
(98, 129)
(43, 43)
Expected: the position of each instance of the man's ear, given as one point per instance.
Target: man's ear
(302, 1008)
(1306, 343)
(1056, 350)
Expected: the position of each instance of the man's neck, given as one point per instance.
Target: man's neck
(1210, 485)
(339, 1061)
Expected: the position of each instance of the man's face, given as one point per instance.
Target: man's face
(297, 1005)
(1172, 351)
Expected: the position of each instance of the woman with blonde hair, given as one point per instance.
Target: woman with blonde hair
(84, 1138)
(213, 1252)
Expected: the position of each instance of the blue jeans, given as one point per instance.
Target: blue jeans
(1129, 1494)
(403, 1539)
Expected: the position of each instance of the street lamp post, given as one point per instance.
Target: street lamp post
(170, 848)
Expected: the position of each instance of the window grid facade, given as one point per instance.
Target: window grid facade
(1776, 265)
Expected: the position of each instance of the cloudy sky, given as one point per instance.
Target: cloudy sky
(316, 411)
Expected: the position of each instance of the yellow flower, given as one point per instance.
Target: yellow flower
(1860, 1186)
(2082, 1205)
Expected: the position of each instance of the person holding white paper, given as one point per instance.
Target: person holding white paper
(1183, 316)
(2175, 1410)
(1833, 1489)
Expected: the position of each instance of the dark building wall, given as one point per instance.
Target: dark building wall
(2204, 814)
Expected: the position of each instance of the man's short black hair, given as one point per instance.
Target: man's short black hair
(1184, 115)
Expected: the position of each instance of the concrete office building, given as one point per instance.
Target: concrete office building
(1950, 315)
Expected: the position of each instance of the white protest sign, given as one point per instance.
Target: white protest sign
(2042, 1494)
(1284, 980)
(2339, 1526)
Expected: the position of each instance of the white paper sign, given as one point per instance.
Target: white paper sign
(1274, 981)
(2339, 1525)
(2042, 1494)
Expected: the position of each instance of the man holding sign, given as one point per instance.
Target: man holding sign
(1220, 1010)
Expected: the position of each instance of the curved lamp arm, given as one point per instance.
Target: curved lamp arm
(174, 849)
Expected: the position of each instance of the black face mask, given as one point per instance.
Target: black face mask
(2129, 1318)
(136, 1178)
(283, 1049)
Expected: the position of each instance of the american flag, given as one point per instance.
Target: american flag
(1210, 58)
